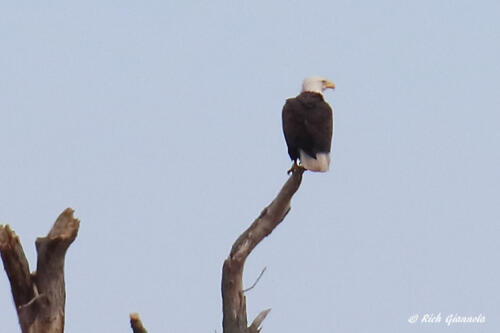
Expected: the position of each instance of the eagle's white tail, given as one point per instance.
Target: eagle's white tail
(320, 164)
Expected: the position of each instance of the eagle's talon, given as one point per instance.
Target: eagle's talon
(295, 167)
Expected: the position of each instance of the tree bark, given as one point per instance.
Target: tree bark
(233, 299)
(136, 324)
(39, 297)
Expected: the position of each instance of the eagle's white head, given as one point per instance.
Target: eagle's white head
(316, 84)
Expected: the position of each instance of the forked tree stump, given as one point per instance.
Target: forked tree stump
(39, 297)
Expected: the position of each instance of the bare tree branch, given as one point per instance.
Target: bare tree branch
(136, 323)
(255, 327)
(17, 268)
(233, 299)
(40, 298)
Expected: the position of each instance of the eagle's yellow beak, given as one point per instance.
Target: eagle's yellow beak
(329, 84)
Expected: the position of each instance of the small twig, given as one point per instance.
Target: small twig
(256, 281)
(36, 298)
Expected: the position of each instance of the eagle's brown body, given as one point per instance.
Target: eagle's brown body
(308, 127)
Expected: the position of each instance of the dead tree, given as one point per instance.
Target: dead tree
(39, 297)
(233, 297)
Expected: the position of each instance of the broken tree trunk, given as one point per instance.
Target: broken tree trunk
(39, 297)
(233, 298)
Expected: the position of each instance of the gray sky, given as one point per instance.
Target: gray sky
(159, 123)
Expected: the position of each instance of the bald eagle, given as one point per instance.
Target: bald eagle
(308, 125)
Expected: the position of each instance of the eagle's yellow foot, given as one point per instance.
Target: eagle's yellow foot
(295, 167)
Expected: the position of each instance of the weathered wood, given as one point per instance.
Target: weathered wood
(255, 327)
(136, 324)
(233, 299)
(40, 297)
(17, 268)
